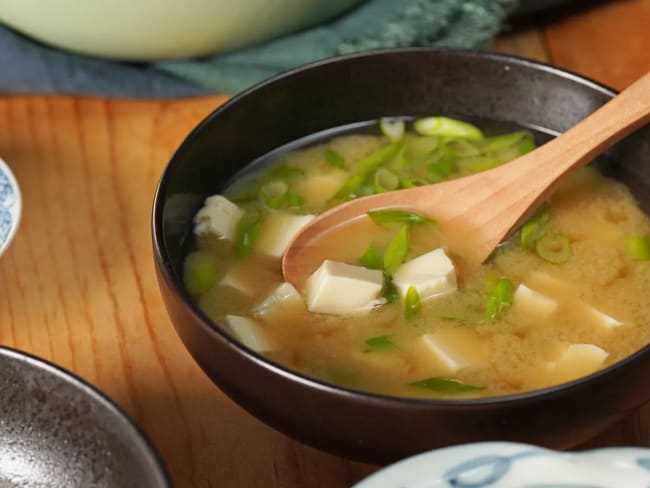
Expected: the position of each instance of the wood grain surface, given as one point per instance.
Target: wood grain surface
(77, 286)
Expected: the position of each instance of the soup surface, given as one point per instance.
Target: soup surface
(562, 298)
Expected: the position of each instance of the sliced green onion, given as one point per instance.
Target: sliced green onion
(638, 248)
(385, 180)
(534, 229)
(390, 217)
(499, 298)
(334, 158)
(392, 128)
(554, 248)
(364, 169)
(276, 194)
(440, 170)
(199, 272)
(463, 148)
(442, 384)
(284, 171)
(418, 146)
(477, 164)
(445, 126)
(372, 258)
(396, 250)
(505, 141)
(412, 304)
(526, 146)
(389, 291)
(380, 343)
(294, 201)
(247, 231)
(273, 194)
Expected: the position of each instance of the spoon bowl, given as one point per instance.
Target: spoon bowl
(477, 212)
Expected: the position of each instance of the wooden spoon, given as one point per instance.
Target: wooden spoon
(478, 212)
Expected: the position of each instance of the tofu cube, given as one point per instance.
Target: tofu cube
(250, 333)
(576, 360)
(449, 351)
(283, 299)
(218, 216)
(277, 231)
(320, 186)
(601, 318)
(343, 289)
(241, 279)
(431, 274)
(532, 302)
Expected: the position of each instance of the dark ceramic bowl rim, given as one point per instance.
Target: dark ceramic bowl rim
(97, 396)
(161, 256)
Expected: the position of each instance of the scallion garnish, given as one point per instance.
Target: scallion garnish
(534, 229)
(365, 168)
(396, 251)
(392, 217)
(380, 343)
(392, 128)
(372, 258)
(199, 272)
(284, 171)
(247, 231)
(443, 384)
(553, 247)
(463, 148)
(389, 291)
(334, 158)
(505, 141)
(385, 180)
(440, 170)
(499, 298)
(478, 164)
(638, 248)
(273, 193)
(412, 304)
(445, 126)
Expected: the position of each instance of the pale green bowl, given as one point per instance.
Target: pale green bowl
(162, 29)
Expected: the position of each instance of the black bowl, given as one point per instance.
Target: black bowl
(58, 431)
(370, 427)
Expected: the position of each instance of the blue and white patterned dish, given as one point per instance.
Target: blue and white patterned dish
(511, 465)
(10, 206)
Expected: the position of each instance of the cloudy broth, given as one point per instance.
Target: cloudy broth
(566, 303)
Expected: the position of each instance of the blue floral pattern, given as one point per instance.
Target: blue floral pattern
(511, 465)
(9, 205)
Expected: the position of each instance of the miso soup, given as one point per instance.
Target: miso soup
(386, 311)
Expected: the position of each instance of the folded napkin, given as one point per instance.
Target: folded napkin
(31, 67)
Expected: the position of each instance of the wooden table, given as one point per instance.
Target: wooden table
(77, 286)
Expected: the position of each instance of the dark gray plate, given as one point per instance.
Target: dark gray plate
(58, 431)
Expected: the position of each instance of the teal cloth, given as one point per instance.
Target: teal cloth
(372, 25)
(31, 67)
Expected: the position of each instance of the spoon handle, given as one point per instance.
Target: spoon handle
(529, 180)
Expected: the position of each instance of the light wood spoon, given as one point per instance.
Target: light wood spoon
(478, 212)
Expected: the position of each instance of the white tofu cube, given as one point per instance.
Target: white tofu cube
(241, 279)
(449, 351)
(218, 216)
(533, 302)
(343, 289)
(277, 231)
(320, 186)
(250, 333)
(283, 299)
(576, 360)
(431, 274)
(601, 318)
